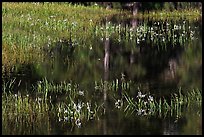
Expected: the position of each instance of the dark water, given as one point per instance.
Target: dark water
(156, 66)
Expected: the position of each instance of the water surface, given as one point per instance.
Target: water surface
(155, 60)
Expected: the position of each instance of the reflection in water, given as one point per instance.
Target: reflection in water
(170, 127)
(134, 23)
(106, 58)
(155, 68)
(170, 73)
(106, 77)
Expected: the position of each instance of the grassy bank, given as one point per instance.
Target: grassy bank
(27, 27)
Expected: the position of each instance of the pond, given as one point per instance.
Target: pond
(79, 89)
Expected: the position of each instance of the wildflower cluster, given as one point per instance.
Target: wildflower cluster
(76, 112)
(143, 104)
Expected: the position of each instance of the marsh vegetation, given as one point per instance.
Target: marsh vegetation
(75, 69)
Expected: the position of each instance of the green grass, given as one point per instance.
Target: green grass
(158, 33)
(188, 14)
(69, 105)
(34, 25)
(148, 105)
(30, 24)
(72, 106)
(75, 103)
(28, 27)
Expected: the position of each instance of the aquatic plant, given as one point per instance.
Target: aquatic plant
(72, 108)
(148, 105)
(69, 105)
(113, 85)
(78, 112)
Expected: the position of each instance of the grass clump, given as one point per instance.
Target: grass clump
(146, 104)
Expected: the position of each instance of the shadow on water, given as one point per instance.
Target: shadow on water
(24, 76)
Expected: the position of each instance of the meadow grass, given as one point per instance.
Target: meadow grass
(158, 33)
(30, 24)
(27, 27)
(188, 14)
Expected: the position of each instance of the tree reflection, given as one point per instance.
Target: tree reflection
(106, 76)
